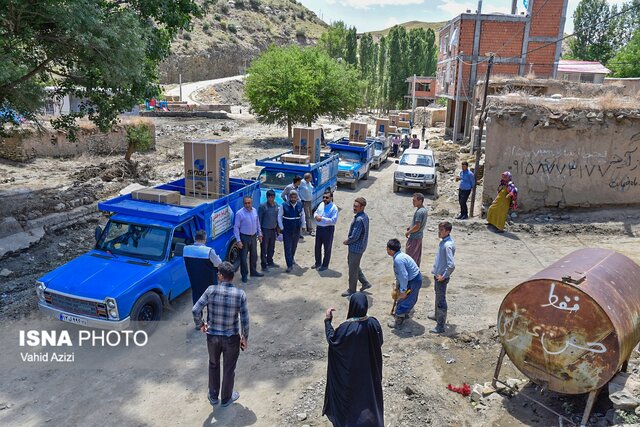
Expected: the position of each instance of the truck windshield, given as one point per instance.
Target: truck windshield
(134, 240)
(275, 179)
(349, 156)
(416, 160)
(378, 145)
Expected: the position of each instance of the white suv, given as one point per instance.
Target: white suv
(417, 170)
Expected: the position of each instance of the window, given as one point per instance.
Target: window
(587, 77)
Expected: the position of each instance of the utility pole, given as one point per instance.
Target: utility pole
(413, 100)
(458, 112)
(478, 139)
(180, 82)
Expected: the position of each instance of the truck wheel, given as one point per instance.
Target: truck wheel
(434, 189)
(146, 312)
(395, 188)
(233, 255)
(366, 175)
(353, 185)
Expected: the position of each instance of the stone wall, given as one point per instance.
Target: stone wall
(563, 157)
(27, 144)
(630, 86)
(429, 116)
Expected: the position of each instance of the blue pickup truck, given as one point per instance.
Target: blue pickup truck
(277, 174)
(136, 266)
(355, 160)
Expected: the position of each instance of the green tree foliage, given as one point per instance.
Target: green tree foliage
(293, 85)
(105, 52)
(351, 47)
(334, 40)
(398, 64)
(431, 53)
(626, 63)
(594, 38)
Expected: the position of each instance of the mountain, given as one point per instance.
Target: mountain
(435, 26)
(232, 33)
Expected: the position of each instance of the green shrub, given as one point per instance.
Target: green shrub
(300, 32)
(282, 17)
(441, 101)
(224, 8)
(255, 4)
(205, 27)
(239, 4)
(301, 15)
(217, 17)
(232, 28)
(186, 36)
(223, 25)
(139, 138)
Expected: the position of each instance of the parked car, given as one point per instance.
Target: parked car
(136, 267)
(416, 170)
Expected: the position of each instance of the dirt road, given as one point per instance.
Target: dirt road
(281, 375)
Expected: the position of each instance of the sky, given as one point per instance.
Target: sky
(372, 15)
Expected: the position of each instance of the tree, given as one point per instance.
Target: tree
(383, 85)
(351, 46)
(334, 40)
(104, 52)
(594, 32)
(626, 63)
(432, 53)
(398, 62)
(289, 85)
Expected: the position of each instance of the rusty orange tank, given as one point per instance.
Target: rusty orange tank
(573, 325)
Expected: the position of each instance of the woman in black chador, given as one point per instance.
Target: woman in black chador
(353, 396)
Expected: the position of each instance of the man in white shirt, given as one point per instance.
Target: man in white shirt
(326, 217)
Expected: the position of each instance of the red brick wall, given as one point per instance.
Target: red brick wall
(542, 59)
(546, 21)
(504, 38)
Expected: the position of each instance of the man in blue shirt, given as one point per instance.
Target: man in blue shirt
(443, 266)
(467, 182)
(409, 281)
(225, 304)
(201, 263)
(326, 217)
(357, 243)
(246, 228)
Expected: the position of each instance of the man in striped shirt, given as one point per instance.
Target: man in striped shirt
(225, 304)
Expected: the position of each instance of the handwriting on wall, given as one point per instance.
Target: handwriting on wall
(620, 171)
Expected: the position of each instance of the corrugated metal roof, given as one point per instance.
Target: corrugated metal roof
(570, 66)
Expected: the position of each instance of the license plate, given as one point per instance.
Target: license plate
(413, 184)
(73, 319)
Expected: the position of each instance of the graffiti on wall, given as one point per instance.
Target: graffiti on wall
(619, 170)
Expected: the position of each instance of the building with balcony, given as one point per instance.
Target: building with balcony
(522, 44)
(420, 88)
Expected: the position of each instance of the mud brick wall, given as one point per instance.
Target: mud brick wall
(564, 159)
(29, 144)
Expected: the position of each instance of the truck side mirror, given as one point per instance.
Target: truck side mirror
(437, 164)
(254, 178)
(397, 161)
(98, 233)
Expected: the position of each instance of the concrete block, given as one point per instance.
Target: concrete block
(20, 241)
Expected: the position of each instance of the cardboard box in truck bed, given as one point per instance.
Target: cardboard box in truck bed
(156, 195)
(306, 142)
(358, 132)
(206, 168)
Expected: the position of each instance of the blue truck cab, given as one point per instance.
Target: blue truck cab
(277, 174)
(136, 266)
(355, 160)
